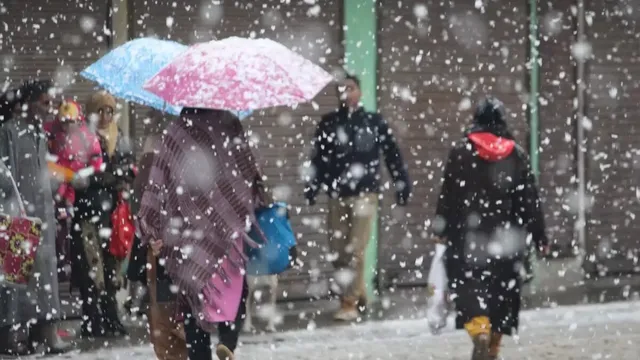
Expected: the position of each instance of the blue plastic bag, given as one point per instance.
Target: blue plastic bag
(278, 253)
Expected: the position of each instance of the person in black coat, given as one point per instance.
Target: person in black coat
(346, 164)
(488, 214)
(95, 271)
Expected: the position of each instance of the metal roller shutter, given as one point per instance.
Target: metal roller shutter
(557, 122)
(52, 39)
(283, 135)
(437, 59)
(614, 158)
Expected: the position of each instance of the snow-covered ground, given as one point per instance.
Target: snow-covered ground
(610, 331)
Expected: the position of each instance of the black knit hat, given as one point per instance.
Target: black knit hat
(490, 112)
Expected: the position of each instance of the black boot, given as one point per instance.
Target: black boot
(111, 319)
(116, 328)
(45, 337)
(93, 328)
(11, 343)
(92, 325)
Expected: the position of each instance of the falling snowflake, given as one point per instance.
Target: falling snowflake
(169, 21)
(105, 233)
(552, 23)
(344, 277)
(64, 76)
(420, 11)
(582, 50)
(211, 14)
(282, 192)
(285, 119)
(87, 24)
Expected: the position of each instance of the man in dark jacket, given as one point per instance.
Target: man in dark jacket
(346, 164)
(488, 213)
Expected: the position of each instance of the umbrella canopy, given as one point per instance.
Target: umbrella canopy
(123, 71)
(238, 73)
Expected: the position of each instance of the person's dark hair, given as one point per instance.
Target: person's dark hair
(191, 111)
(32, 90)
(353, 78)
(213, 113)
(7, 104)
(195, 111)
(29, 91)
(490, 112)
(348, 76)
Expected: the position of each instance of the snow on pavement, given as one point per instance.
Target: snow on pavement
(610, 331)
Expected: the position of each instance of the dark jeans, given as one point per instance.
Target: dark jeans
(99, 306)
(199, 341)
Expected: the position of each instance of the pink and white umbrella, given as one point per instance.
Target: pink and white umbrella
(238, 74)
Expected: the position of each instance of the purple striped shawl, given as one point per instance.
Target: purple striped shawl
(200, 198)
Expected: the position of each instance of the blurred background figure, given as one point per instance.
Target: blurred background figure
(75, 150)
(488, 207)
(346, 163)
(155, 124)
(33, 311)
(95, 271)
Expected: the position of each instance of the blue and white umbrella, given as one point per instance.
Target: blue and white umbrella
(124, 70)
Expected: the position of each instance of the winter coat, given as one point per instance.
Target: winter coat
(137, 261)
(9, 198)
(487, 208)
(346, 157)
(23, 150)
(74, 150)
(101, 196)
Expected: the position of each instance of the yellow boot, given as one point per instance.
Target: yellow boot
(479, 328)
(224, 353)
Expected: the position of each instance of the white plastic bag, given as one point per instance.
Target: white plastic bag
(437, 303)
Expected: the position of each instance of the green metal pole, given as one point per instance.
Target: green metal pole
(361, 49)
(534, 73)
(361, 56)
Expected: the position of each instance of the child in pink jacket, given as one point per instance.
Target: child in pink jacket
(74, 147)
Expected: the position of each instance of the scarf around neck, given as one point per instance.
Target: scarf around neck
(110, 134)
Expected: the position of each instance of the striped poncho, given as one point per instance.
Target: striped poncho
(200, 200)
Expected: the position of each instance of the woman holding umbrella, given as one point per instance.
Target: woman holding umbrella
(94, 269)
(205, 185)
(203, 190)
